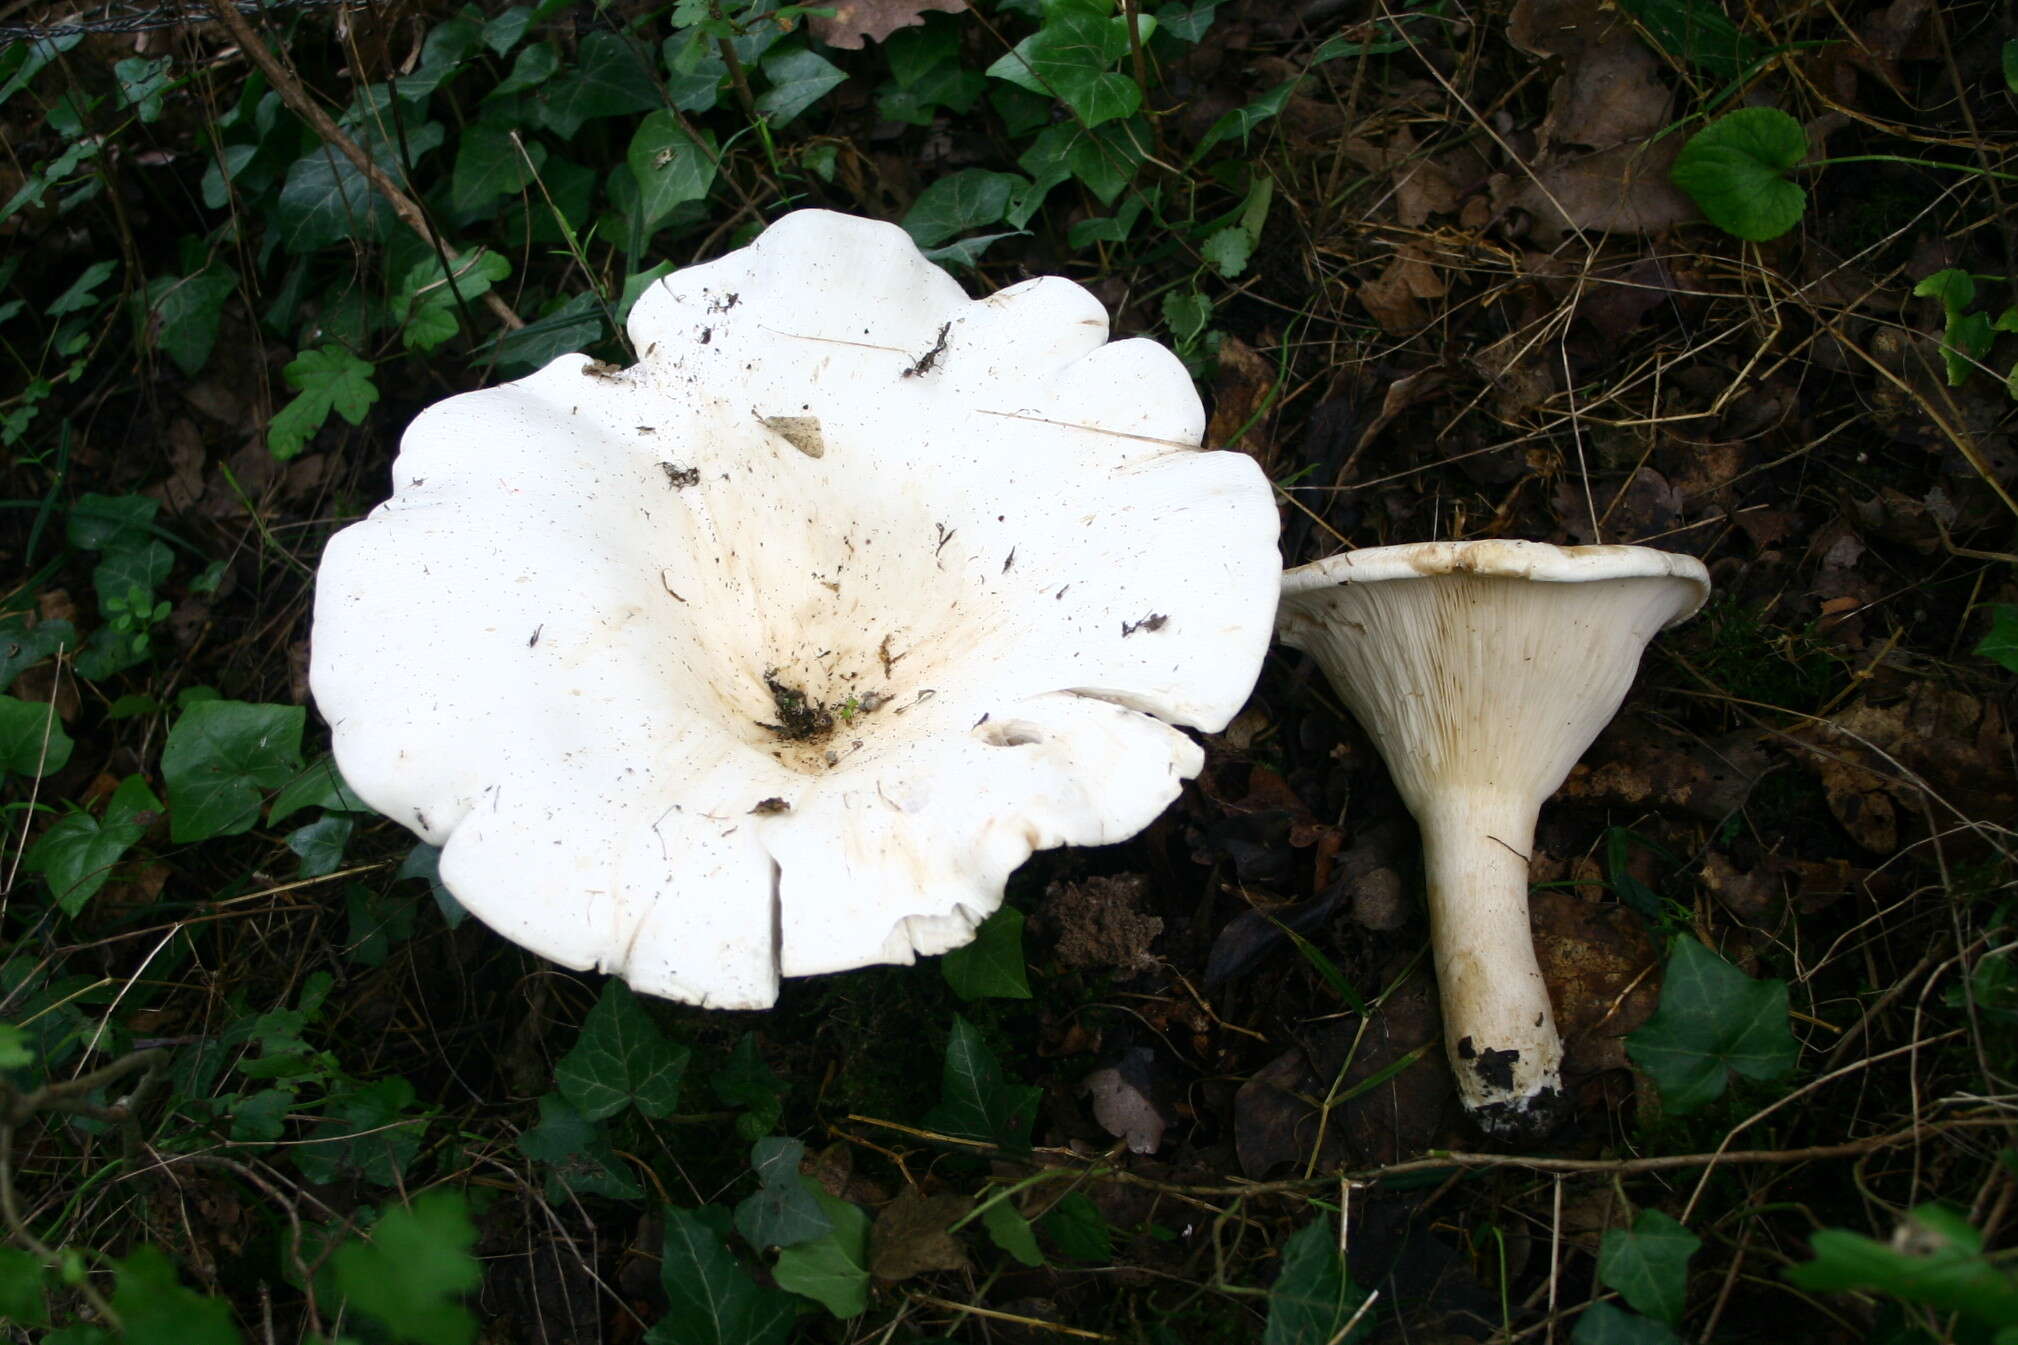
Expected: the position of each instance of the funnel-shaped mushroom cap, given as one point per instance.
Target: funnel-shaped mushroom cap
(1482, 670)
(778, 651)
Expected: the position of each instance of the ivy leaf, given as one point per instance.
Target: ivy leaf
(1649, 1265)
(319, 785)
(965, 254)
(32, 740)
(488, 165)
(156, 1308)
(1103, 160)
(832, 1270)
(365, 1133)
(1072, 57)
(2001, 641)
(799, 78)
(326, 199)
(142, 83)
(960, 201)
(1609, 1324)
(1935, 1260)
(1951, 285)
(534, 66)
(330, 379)
(567, 327)
(713, 1300)
(992, 965)
(783, 1213)
(75, 856)
(502, 33)
(1696, 31)
(746, 1081)
(130, 568)
(1736, 169)
(414, 1271)
(1966, 340)
(80, 296)
(221, 755)
(378, 920)
(21, 1298)
(670, 166)
(101, 522)
(22, 646)
(1237, 124)
(429, 300)
(608, 78)
(1712, 1019)
(621, 1059)
(321, 845)
(183, 313)
(1010, 1231)
(1313, 1297)
(1076, 1226)
(577, 1154)
(261, 1118)
(424, 862)
(975, 1101)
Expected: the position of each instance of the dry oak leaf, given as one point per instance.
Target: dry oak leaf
(1624, 189)
(1391, 298)
(1562, 27)
(1602, 970)
(911, 1235)
(1610, 95)
(855, 22)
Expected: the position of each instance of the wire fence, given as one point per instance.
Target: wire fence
(121, 19)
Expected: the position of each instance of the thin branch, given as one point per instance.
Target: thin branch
(296, 97)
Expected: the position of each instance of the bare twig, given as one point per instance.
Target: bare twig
(297, 97)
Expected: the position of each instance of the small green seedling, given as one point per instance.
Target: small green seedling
(1737, 170)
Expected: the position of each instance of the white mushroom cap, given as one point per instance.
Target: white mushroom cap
(777, 652)
(1482, 670)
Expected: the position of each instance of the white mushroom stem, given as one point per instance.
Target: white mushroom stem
(1499, 1030)
(1482, 670)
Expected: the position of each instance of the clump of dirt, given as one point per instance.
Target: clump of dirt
(1099, 922)
(800, 719)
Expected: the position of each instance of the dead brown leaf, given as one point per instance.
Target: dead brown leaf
(911, 1237)
(1610, 95)
(1635, 764)
(1239, 392)
(855, 22)
(1614, 300)
(1601, 967)
(1124, 1102)
(1561, 27)
(1275, 1120)
(1392, 298)
(1871, 759)
(1624, 189)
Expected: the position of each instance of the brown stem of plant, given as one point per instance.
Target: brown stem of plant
(740, 78)
(305, 107)
(1446, 1160)
(73, 1096)
(1133, 9)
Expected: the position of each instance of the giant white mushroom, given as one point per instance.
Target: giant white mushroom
(1482, 670)
(776, 652)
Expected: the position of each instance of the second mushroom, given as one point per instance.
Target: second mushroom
(1482, 670)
